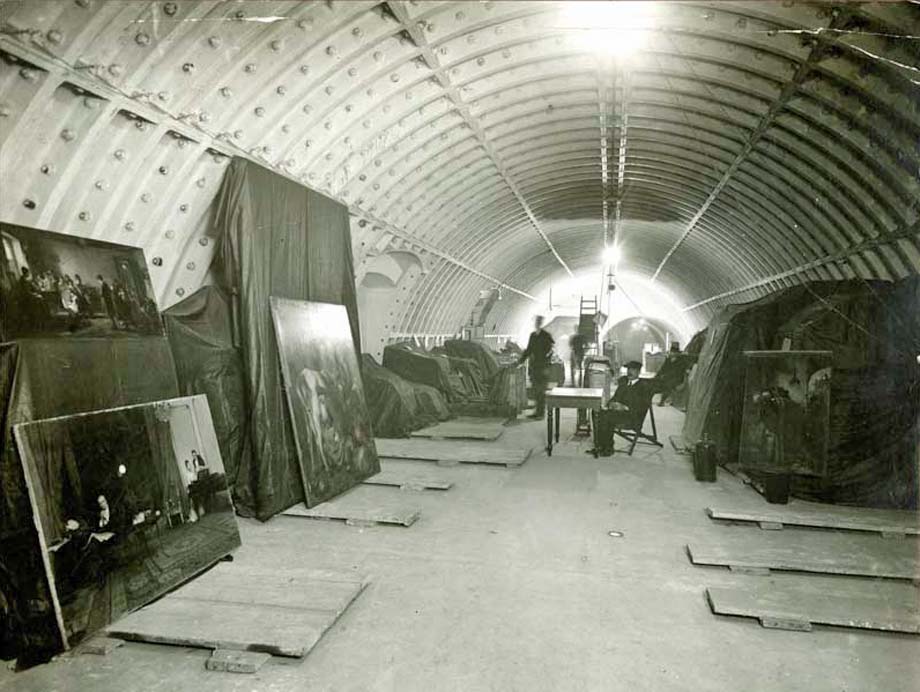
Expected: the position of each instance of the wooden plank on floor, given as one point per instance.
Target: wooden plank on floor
(362, 506)
(816, 515)
(851, 554)
(465, 429)
(452, 452)
(401, 479)
(275, 612)
(772, 603)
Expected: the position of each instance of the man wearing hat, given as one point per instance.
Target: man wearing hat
(632, 397)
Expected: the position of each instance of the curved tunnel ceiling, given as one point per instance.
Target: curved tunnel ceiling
(746, 146)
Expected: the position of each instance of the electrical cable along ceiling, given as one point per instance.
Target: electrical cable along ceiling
(725, 149)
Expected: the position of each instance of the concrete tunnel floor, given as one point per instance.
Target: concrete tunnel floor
(509, 581)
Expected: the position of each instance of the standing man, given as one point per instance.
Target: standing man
(539, 350)
(108, 299)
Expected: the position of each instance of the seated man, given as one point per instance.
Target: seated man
(627, 407)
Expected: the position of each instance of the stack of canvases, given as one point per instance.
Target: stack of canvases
(113, 488)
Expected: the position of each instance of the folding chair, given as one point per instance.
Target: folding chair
(634, 434)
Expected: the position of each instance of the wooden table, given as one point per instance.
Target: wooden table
(559, 398)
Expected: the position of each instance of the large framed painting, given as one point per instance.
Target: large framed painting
(128, 503)
(325, 397)
(54, 285)
(785, 424)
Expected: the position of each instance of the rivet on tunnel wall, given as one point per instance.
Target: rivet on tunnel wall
(200, 182)
(4, 111)
(157, 261)
(55, 36)
(190, 266)
(237, 134)
(170, 234)
(84, 216)
(116, 70)
(249, 68)
(145, 198)
(142, 39)
(29, 203)
(83, 3)
(329, 89)
(285, 128)
(188, 67)
(307, 109)
(101, 185)
(305, 23)
(331, 51)
(47, 168)
(183, 208)
(215, 41)
(259, 111)
(68, 135)
(305, 69)
(28, 74)
(277, 45)
(281, 90)
(164, 170)
(170, 8)
(203, 241)
(226, 92)
(129, 226)
(163, 96)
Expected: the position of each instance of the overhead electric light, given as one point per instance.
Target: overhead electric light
(611, 254)
(608, 27)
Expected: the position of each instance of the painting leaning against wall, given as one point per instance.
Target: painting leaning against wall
(325, 397)
(128, 503)
(57, 285)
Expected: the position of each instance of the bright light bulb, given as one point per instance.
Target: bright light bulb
(611, 254)
(616, 29)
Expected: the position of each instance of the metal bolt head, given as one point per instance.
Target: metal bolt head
(129, 226)
(226, 92)
(142, 39)
(170, 9)
(68, 135)
(157, 261)
(84, 216)
(29, 203)
(47, 169)
(188, 67)
(215, 41)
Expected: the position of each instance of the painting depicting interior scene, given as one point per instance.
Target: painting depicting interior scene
(785, 422)
(55, 285)
(325, 397)
(129, 503)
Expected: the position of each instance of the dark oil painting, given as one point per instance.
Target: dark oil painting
(54, 285)
(325, 397)
(128, 503)
(786, 415)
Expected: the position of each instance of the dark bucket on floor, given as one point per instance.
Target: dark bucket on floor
(704, 461)
(776, 488)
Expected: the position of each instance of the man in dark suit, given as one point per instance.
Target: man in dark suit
(108, 300)
(539, 350)
(632, 397)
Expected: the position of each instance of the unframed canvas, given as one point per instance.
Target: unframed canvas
(128, 504)
(56, 285)
(325, 397)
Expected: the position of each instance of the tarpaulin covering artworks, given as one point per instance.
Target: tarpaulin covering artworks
(398, 406)
(200, 334)
(413, 363)
(873, 329)
(276, 238)
(488, 362)
(45, 378)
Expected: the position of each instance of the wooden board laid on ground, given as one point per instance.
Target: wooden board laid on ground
(809, 551)
(464, 429)
(452, 452)
(280, 612)
(784, 607)
(887, 521)
(365, 505)
(401, 479)
(128, 503)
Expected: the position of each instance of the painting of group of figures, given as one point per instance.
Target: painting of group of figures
(59, 285)
(325, 396)
(128, 503)
(786, 416)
